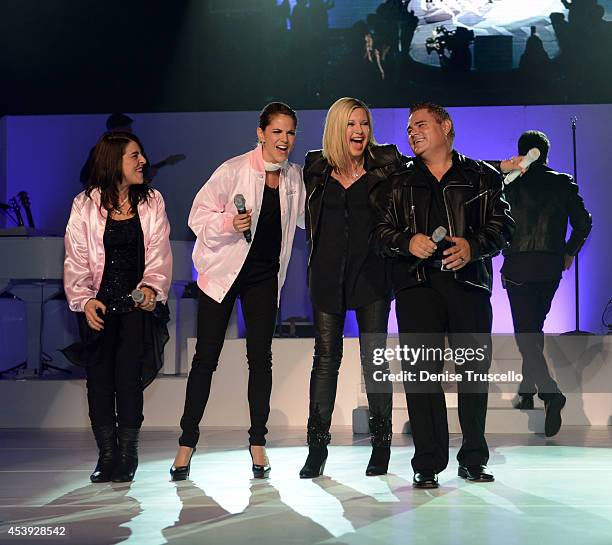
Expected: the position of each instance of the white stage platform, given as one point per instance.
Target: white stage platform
(62, 403)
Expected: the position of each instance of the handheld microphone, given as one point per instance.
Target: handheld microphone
(241, 208)
(437, 236)
(532, 155)
(138, 296)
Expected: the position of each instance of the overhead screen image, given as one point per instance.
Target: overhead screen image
(219, 55)
(459, 52)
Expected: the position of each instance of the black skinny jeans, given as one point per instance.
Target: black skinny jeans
(259, 307)
(425, 314)
(372, 320)
(114, 386)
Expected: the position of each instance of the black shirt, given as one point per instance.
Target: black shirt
(120, 275)
(344, 272)
(262, 261)
(437, 211)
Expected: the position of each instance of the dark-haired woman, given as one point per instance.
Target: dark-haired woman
(345, 272)
(231, 264)
(117, 240)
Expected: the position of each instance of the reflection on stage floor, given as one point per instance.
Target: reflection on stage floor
(546, 491)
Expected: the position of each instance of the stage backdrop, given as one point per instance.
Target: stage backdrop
(44, 154)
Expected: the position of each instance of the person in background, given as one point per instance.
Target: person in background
(123, 123)
(542, 201)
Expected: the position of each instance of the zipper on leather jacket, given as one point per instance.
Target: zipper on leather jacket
(450, 223)
(476, 197)
(414, 230)
(413, 212)
(448, 214)
(311, 228)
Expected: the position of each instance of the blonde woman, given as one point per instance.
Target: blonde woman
(345, 273)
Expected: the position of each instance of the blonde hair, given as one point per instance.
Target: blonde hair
(335, 147)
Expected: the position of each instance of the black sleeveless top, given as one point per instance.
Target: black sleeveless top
(121, 241)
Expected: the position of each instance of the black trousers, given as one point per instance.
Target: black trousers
(372, 320)
(114, 386)
(530, 303)
(425, 314)
(259, 307)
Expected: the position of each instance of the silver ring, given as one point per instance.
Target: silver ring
(462, 260)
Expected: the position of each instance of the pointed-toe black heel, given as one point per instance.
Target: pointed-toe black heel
(315, 463)
(260, 471)
(181, 473)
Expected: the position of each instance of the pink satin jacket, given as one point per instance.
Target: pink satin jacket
(220, 251)
(84, 261)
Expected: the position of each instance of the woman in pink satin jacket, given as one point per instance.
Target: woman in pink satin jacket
(117, 273)
(243, 255)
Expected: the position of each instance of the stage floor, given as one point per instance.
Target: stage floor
(546, 491)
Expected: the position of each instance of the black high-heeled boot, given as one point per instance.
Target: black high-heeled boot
(180, 473)
(317, 439)
(260, 471)
(315, 462)
(106, 439)
(127, 447)
(380, 435)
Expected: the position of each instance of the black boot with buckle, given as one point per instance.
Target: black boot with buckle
(318, 438)
(380, 435)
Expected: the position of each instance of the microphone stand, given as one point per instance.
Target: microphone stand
(577, 330)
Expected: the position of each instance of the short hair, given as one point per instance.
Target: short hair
(534, 139)
(273, 109)
(439, 112)
(335, 148)
(118, 121)
(107, 170)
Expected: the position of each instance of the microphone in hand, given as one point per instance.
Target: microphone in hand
(241, 208)
(532, 155)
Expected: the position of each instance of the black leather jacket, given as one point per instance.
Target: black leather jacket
(542, 200)
(381, 162)
(475, 208)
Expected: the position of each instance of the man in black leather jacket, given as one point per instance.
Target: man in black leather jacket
(542, 201)
(443, 288)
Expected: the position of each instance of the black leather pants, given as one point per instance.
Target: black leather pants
(372, 320)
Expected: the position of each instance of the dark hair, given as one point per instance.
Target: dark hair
(534, 139)
(275, 108)
(107, 170)
(439, 112)
(118, 121)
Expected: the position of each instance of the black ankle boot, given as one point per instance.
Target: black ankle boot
(318, 438)
(380, 435)
(315, 463)
(106, 440)
(127, 446)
